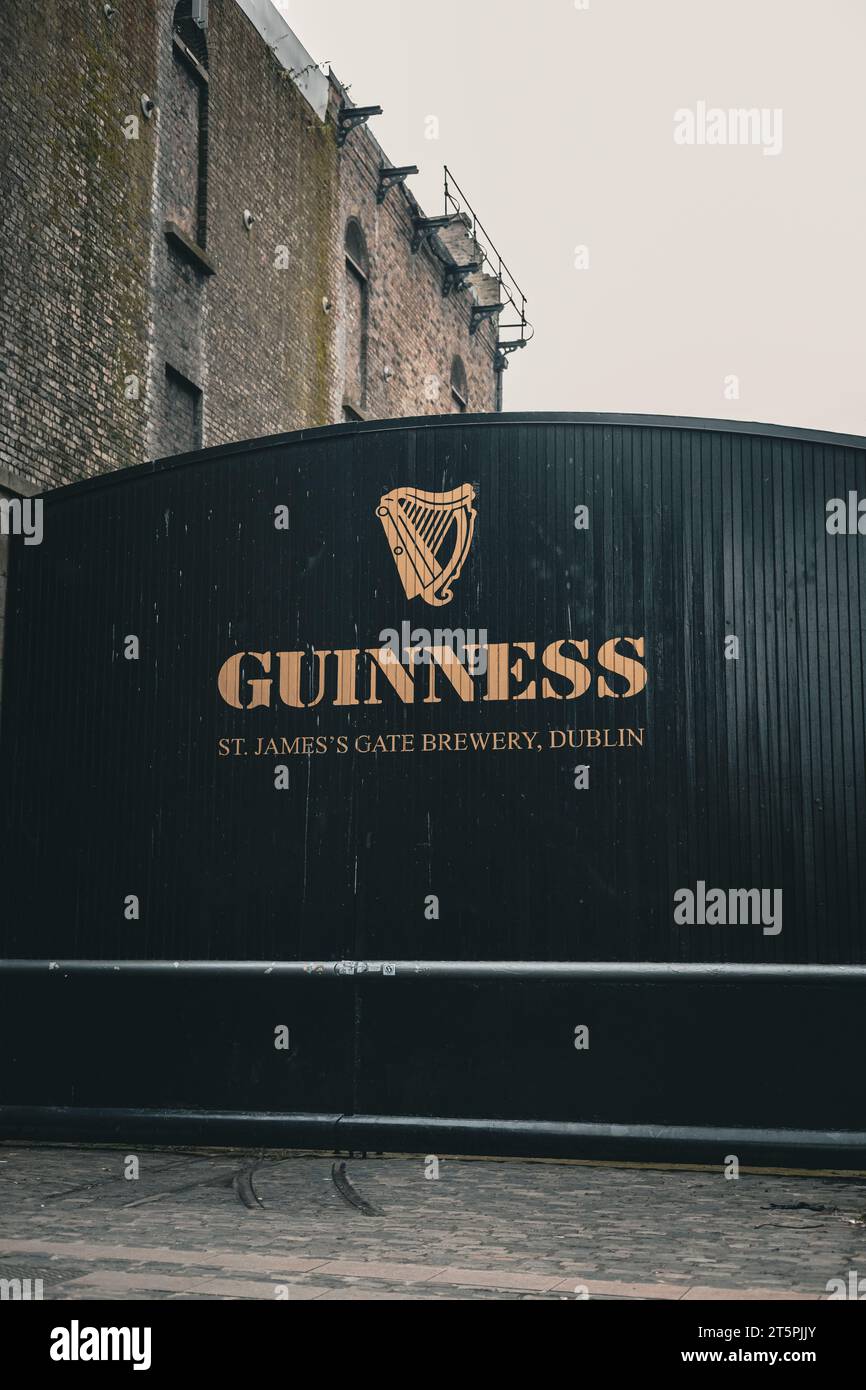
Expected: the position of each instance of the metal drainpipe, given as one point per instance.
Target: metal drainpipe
(500, 373)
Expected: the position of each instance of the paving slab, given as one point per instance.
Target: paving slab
(501, 1229)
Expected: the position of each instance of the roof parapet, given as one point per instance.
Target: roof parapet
(289, 52)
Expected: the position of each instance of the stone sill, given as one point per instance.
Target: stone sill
(189, 57)
(184, 243)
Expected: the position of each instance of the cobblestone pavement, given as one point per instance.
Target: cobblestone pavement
(483, 1229)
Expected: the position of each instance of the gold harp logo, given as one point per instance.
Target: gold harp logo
(430, 534)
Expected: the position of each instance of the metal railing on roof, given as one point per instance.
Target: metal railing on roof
(456, 201)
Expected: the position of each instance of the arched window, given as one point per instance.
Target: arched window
(189, 32)
(357, 308)
(459, 388)
(185, 126)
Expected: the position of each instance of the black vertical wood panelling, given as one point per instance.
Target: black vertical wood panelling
(752, 774)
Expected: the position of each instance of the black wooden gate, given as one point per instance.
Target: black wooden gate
(227, 814)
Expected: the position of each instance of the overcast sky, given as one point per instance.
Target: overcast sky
(712, 268)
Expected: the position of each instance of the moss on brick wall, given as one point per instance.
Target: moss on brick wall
(76, 236)
(91, 296)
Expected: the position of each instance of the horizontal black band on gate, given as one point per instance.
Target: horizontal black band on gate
(442, 1134)
(617, 971)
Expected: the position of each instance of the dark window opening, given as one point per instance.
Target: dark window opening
(357, 313)
(184, 124)
(183, 413)
(356, 249)
(459, 388)
(190, 34)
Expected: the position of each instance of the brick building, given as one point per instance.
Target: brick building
(199, 246)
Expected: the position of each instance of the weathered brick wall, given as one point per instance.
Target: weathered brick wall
(95, 293)
(276, 356)
(414, 332)
(75, 197)
(270, 345)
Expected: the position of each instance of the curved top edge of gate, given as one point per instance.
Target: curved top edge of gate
(792, 434)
